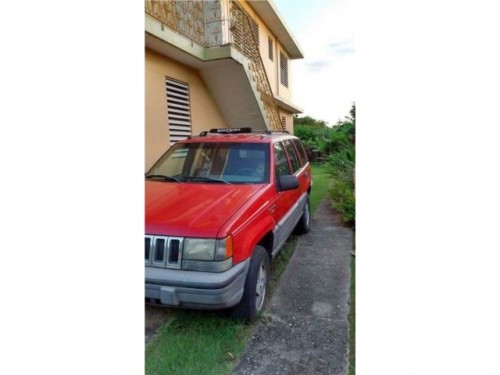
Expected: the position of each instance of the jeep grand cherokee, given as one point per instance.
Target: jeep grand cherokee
(219, 207)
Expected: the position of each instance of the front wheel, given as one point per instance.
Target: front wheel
(254, 294)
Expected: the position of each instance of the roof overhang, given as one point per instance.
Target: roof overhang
(269, 14)
(287, 105)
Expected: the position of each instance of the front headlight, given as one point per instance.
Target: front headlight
(207, 255)
(199, 249)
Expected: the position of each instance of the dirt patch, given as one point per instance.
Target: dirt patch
(155, 317)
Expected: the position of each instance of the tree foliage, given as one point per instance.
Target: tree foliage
(336, 146)
(322, 139)
(315, 134)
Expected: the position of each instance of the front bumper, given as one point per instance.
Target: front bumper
(194, 289)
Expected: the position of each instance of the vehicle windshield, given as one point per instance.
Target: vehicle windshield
(213, 162)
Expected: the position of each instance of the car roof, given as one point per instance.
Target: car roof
(227, 135)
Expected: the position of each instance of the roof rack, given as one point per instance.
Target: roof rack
(231, 130)
(240, 130)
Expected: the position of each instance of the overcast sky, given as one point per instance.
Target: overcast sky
(322, 82)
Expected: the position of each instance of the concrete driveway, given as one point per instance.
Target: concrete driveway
(305, 329)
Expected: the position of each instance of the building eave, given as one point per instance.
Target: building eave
(269, 14)
(287, 105)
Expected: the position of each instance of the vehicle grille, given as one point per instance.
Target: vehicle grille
(163, 252)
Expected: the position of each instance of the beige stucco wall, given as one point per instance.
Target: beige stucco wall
(270, 66)
(289, 120)
(283, 91)
(204, 112)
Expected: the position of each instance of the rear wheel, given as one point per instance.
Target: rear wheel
(304, 224)
(254, 294)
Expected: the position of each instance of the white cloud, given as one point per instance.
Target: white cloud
(324, 81)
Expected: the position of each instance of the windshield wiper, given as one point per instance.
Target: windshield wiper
(204, 179)
(163, 177)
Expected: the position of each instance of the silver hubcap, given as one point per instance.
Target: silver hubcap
(260, 290)
(306, 213)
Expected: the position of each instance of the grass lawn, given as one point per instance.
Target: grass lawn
(200, 342)
(321, 184)
(194, 342)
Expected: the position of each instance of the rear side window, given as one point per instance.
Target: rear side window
(280, 161)
(292, 154)
(300, 151)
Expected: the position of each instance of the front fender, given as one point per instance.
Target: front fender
(249, 235)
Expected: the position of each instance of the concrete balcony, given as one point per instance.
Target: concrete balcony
(215, 37)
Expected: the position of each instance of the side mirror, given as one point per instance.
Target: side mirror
(288, 182)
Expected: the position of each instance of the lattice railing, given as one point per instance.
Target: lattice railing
(246, 41)
(186, 17)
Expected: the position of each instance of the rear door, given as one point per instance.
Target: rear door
(304, 171)
(301, 169)
(285, 207)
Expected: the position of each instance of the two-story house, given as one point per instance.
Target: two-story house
(215, 63)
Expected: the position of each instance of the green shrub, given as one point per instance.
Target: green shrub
(342, 194)
(342, 161)
(336, 145)
(305, 133)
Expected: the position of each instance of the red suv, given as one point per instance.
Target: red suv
(219, 207)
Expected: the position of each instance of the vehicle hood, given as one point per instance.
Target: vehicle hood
(191, 209)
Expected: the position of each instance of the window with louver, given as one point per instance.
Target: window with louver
(283, 69)
(270, 48)
(179, 113)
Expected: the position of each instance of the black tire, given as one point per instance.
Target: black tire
(253, 300)
(304, 224)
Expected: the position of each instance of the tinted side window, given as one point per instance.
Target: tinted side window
(292, 154)
(300, 151)
(280, 161)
